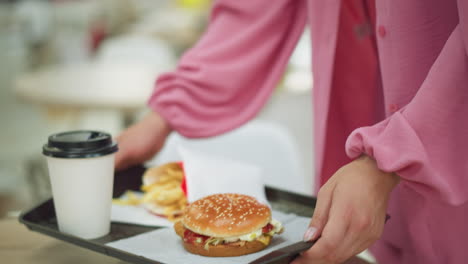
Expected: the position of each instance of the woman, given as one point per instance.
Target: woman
(390, 111)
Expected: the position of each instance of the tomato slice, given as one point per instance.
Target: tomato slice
(192, 237)
(267, 228)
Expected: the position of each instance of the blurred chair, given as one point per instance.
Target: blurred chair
(135, 49)
(261, 143)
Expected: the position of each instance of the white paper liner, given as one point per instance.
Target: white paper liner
(163, 245)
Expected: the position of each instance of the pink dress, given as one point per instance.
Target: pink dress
(422, 81)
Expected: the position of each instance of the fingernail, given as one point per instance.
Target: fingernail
(309, 234)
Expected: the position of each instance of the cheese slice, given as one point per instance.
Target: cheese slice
(255, 235)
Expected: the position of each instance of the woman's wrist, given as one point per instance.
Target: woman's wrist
(391, 178)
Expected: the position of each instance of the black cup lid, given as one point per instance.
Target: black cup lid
(79, 144)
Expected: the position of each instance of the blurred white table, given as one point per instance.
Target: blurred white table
(90, 95)
(98, 96)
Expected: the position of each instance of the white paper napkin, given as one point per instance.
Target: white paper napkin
(207, 174)
(137, 215)
(165, 246)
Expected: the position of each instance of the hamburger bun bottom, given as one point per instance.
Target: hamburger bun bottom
(225, 250)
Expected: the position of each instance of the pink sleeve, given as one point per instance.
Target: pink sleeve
(226, 78)
(426, 143)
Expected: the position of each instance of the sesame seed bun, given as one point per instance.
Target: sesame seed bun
(226, 215)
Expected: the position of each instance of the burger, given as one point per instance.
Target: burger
(163, 194)
(226, 225)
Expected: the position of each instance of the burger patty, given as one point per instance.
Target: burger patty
(190, 237)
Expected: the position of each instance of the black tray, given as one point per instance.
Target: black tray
(42, 218)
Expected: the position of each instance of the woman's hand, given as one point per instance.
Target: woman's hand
(350, 212)
(141, 141)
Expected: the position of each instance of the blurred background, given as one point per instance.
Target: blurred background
(85, 64)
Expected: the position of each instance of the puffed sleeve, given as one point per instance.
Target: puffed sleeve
(225, 79)
(426, 143)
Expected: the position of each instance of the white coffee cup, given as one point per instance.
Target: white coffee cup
(81, 170)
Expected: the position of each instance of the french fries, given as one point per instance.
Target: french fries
(162, 190)
(129, 198)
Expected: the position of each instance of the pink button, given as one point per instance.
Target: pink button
(393, 108)
(382, 31)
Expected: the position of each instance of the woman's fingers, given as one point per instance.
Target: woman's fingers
(357, 239)
(320, 216)
(334, 232)
(124, 157)
(375, 231)
(350, 212)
